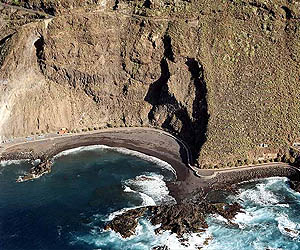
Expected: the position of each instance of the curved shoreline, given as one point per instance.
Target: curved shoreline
(154, 143)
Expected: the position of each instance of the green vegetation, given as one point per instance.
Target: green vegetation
(292, 160)
(252, 101)
(16, 2)
(248, 61)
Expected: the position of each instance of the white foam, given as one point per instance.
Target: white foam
(144, 238)
(153, 186)
(80, 149)
(259, 196)
(286, 226)
(37, 161)
(128, 190)
(121, 150)
(10, 162)
(147, 200)
(112, 215)
(146, 157)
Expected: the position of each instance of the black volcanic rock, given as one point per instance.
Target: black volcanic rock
(126, 223)
(178, 218)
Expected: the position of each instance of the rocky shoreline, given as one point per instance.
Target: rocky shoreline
(187, 187)
(196, 197)
(180, 219)
(37, 171)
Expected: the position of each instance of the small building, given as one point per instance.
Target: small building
(271, 155)
(296, 144)
(63, 131)
(263, 145)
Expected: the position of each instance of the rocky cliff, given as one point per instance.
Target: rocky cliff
(221, 74)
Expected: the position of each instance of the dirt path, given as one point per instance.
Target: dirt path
(26, 10)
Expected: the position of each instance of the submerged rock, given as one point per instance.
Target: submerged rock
(37, 171)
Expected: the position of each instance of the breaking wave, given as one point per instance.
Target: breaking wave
(151, 187)
(144, 239)
(12, 162)
(110, 184)
(145, 157)
(81, 149)
(269, 220)
(124, 151)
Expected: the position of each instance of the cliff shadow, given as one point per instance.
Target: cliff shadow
(200, 108)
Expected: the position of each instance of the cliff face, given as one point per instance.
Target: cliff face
(223, 75)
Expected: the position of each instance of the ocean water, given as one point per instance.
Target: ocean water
(270, 218)
(88, 186)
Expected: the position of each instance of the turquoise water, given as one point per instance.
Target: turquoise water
(88, 186)
(270, 219)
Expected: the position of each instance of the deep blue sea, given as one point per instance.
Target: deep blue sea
(88, 186)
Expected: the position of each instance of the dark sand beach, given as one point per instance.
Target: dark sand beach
(155, 143)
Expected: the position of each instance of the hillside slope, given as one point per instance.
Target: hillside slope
(223, 75)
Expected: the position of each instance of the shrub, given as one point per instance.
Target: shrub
(90, 129)
(95, 128)
(16, 2)
(278, 159)
(230, 164)
(210, 166)
(247, 161)
(293, 153)
(255, 162)
(292, 160)
(221, 165)
(286, 158)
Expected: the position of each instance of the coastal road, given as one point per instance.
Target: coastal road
(201, 173)
(211, 173)
(151, 141)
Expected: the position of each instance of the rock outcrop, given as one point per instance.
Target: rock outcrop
(180, 219)
(37, 171)
(222, 75)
